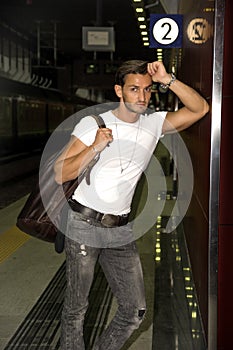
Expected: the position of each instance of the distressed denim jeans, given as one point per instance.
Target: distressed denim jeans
(122, 268)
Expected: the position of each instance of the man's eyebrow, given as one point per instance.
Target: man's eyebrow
(134, 85)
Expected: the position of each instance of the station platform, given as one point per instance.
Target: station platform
(33, 283)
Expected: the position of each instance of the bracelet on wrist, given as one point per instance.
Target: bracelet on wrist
(96, 152)
(94, 149)
(164, 87)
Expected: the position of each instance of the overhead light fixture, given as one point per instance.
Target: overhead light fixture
(159, 53)
(141, 17)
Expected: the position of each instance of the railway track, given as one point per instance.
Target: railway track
(17, 176)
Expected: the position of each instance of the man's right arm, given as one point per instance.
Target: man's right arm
(77, 155)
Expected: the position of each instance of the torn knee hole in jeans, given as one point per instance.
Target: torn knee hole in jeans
(141, 313)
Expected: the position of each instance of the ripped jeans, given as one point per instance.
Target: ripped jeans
(122, 268)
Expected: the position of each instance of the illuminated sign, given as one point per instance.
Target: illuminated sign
(199, 31)
(166, 31)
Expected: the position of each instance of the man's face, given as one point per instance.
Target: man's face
(136, 92)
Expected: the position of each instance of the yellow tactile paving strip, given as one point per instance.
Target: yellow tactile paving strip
(10, 241)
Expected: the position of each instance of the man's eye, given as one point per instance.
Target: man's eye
(148, 89)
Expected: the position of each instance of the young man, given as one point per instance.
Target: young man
(98, 227)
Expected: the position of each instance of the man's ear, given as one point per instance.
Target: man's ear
(118, 90)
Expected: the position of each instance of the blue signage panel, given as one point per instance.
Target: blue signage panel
(166, 31)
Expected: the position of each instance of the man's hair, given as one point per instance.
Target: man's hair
(130, 67)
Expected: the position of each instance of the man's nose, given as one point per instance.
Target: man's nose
(142, 95)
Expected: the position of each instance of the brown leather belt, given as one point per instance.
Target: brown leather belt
(107, 220)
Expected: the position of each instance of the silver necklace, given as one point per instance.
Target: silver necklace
(134, 148)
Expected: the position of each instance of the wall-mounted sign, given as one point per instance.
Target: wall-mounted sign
(199, 30)
(98, 39)
(166, 31)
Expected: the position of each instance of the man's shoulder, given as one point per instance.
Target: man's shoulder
(154, 116)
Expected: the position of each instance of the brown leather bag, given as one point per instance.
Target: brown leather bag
(47, 221)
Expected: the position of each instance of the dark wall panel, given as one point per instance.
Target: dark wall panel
(196, 70)
(226, 182)
(225, 292)
(225, 280)
(226, 185)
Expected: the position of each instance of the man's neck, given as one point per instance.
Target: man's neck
(125, 115)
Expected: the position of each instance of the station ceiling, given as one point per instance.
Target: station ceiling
(70, 16)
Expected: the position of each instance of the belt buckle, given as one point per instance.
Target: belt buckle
(110, 220)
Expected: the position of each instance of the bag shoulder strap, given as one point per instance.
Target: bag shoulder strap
(87, 171)
(99, 121)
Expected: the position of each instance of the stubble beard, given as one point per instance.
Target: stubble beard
(133, 108)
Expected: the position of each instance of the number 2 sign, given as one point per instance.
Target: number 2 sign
(165, 31)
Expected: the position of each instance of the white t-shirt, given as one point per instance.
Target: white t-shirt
(111, 190)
